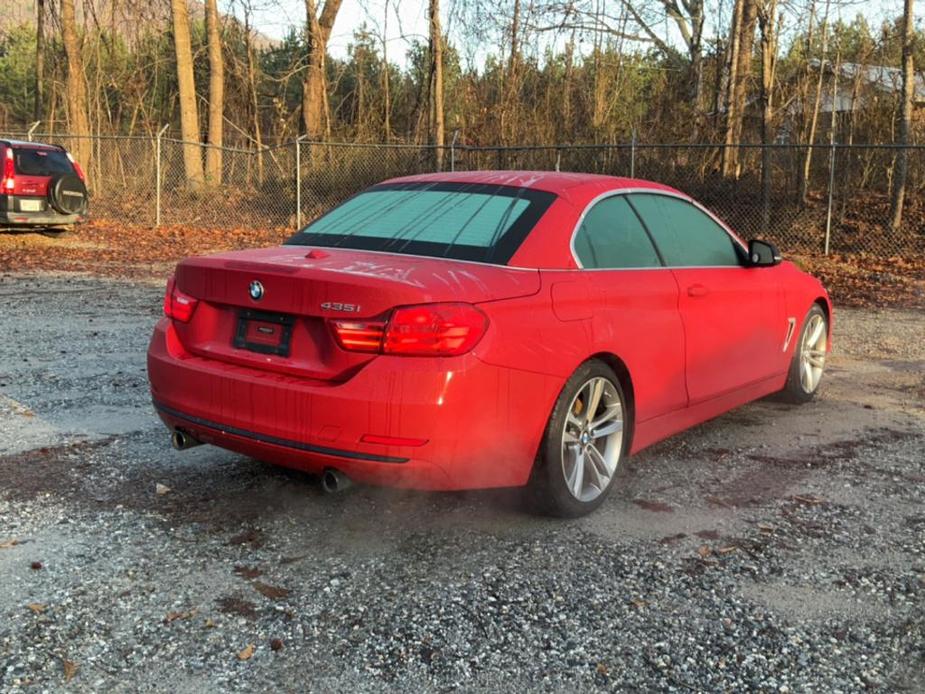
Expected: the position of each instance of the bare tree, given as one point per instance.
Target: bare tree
(189, 113)
(905, 123)
(78, 118)
(767, 22)
(814, 119)
(741, 39)
(314, 91)
(436, 120)
(39, 60)
(216, 95)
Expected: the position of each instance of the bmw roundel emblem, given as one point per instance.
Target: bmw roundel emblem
(256, 290)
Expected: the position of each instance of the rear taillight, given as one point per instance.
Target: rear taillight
(429, 330)
(8, 180)
(79, 171)
(177, 305)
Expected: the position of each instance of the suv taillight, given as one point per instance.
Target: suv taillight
(79, 171)
(8, 180)
(434, 330)
(177, 305)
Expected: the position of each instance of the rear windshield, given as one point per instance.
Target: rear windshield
(42, 162)
(464, 221)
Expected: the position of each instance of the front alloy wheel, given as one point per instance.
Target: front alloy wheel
(584, 443)
(809, 356)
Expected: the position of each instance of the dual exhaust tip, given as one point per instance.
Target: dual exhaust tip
(333, 481)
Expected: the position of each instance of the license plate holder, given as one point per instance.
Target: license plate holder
(265, 333)
(30, 205)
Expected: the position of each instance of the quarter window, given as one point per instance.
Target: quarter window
(611, 236)
(685, 235)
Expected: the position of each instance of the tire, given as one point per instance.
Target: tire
(808, 362)
(569, 478)
(68, 195)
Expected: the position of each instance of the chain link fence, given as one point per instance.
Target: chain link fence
(841, 205)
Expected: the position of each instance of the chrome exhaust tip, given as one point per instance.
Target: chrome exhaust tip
(181, 441)
(334, 481)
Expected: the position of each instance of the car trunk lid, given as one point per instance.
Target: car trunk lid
(286, 329)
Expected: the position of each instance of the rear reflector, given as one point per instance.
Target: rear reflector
(177, 305)
(359, 336)
(391, 440)
(446, 329)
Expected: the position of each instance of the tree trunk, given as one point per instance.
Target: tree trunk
(39, 61)
(189, 112)
(437, 125)
(814, 120)
(386, 96)
(78, 120)
(738, 84)
(768, 22)
(905, 123)
(728, 161)
(314, 89)
(216, 95)
(252, 93)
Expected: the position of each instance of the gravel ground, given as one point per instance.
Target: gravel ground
(774, 548)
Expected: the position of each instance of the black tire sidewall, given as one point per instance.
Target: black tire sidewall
(67, 182)
(548, 487)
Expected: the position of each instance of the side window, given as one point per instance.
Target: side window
(685, 235)
(611, 236)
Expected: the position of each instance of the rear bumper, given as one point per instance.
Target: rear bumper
(482, 424)
(32, 219)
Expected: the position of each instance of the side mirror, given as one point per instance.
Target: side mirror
(762, 254)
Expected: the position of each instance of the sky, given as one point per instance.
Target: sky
(407, 20)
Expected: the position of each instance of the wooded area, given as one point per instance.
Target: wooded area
(519, 73)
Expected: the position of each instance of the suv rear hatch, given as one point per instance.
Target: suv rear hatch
(287, 329)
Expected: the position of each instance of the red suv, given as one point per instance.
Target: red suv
(40, 186)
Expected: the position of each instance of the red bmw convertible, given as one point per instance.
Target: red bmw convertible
(484, 329)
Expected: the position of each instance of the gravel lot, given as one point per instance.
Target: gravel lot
(774, 548)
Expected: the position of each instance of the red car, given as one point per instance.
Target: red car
(484, 329)
(41, 186)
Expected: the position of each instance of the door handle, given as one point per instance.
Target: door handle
(697, 290)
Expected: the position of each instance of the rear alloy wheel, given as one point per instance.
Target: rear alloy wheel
(583, 445)
(809, 356)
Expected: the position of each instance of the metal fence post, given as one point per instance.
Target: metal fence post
(32, 130)
(453, 150)
(828, 211)
(298, 181)
(157, 178)
(633, 155)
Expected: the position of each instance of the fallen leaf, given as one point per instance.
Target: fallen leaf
(161, 489)
(639, 603)
(765, 528)
(810, 499)
(248, 571)
(602, 669)
(37, 607)
(272, 592)
(70, 669)
(35, 566)
(726, 550)
(247, 652)
(7, 544)
(209, 624)
(174, 616)
(704, 551)
(276, 644)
